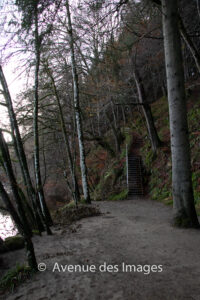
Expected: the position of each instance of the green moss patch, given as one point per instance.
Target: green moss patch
(12, 243)
(120, 196)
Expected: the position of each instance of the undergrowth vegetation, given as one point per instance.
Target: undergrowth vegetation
(14, 277)
(70, 213)
(159, 167)
(111, 171)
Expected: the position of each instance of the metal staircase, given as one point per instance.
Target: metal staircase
(134, 175)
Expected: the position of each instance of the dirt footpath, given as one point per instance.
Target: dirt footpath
(134, 232)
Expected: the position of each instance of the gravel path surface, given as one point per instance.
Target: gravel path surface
(132, 232)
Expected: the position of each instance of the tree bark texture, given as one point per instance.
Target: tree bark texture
(19, 149)
(153, 135)
(183, 199)
(77, 111)
(45, 210)
(76, 194)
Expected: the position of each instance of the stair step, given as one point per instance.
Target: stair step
(135, 174)
(138, 186)
(135, 182)
(136, 194)
(134, 161)
(135, 188)
(134, 166)
(135, 185)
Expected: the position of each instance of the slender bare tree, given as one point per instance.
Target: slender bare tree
(19, 149)
(77, 110)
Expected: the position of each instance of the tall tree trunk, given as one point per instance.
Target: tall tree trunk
(153, 135)
(77, 111)
(20, 226)
(45, 210)
(186, 36)
(183, 199)
(19, 150)
(76, 194)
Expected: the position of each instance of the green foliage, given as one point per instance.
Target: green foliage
(161, 194)
(160, 174)
(108, 174)
(69, 205)
(149, 159)
(195, 183)
(195, 177)
(117, 174)
(83, 201)
(121, 196)
(155, 193)
(14, 277)
(160, 184)
(168, 201)
(112, 179)
(123, 153)
(72, 204)
(193, 114)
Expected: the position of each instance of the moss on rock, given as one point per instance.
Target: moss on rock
(12, 243)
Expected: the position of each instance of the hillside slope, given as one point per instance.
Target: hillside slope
(110, 180)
